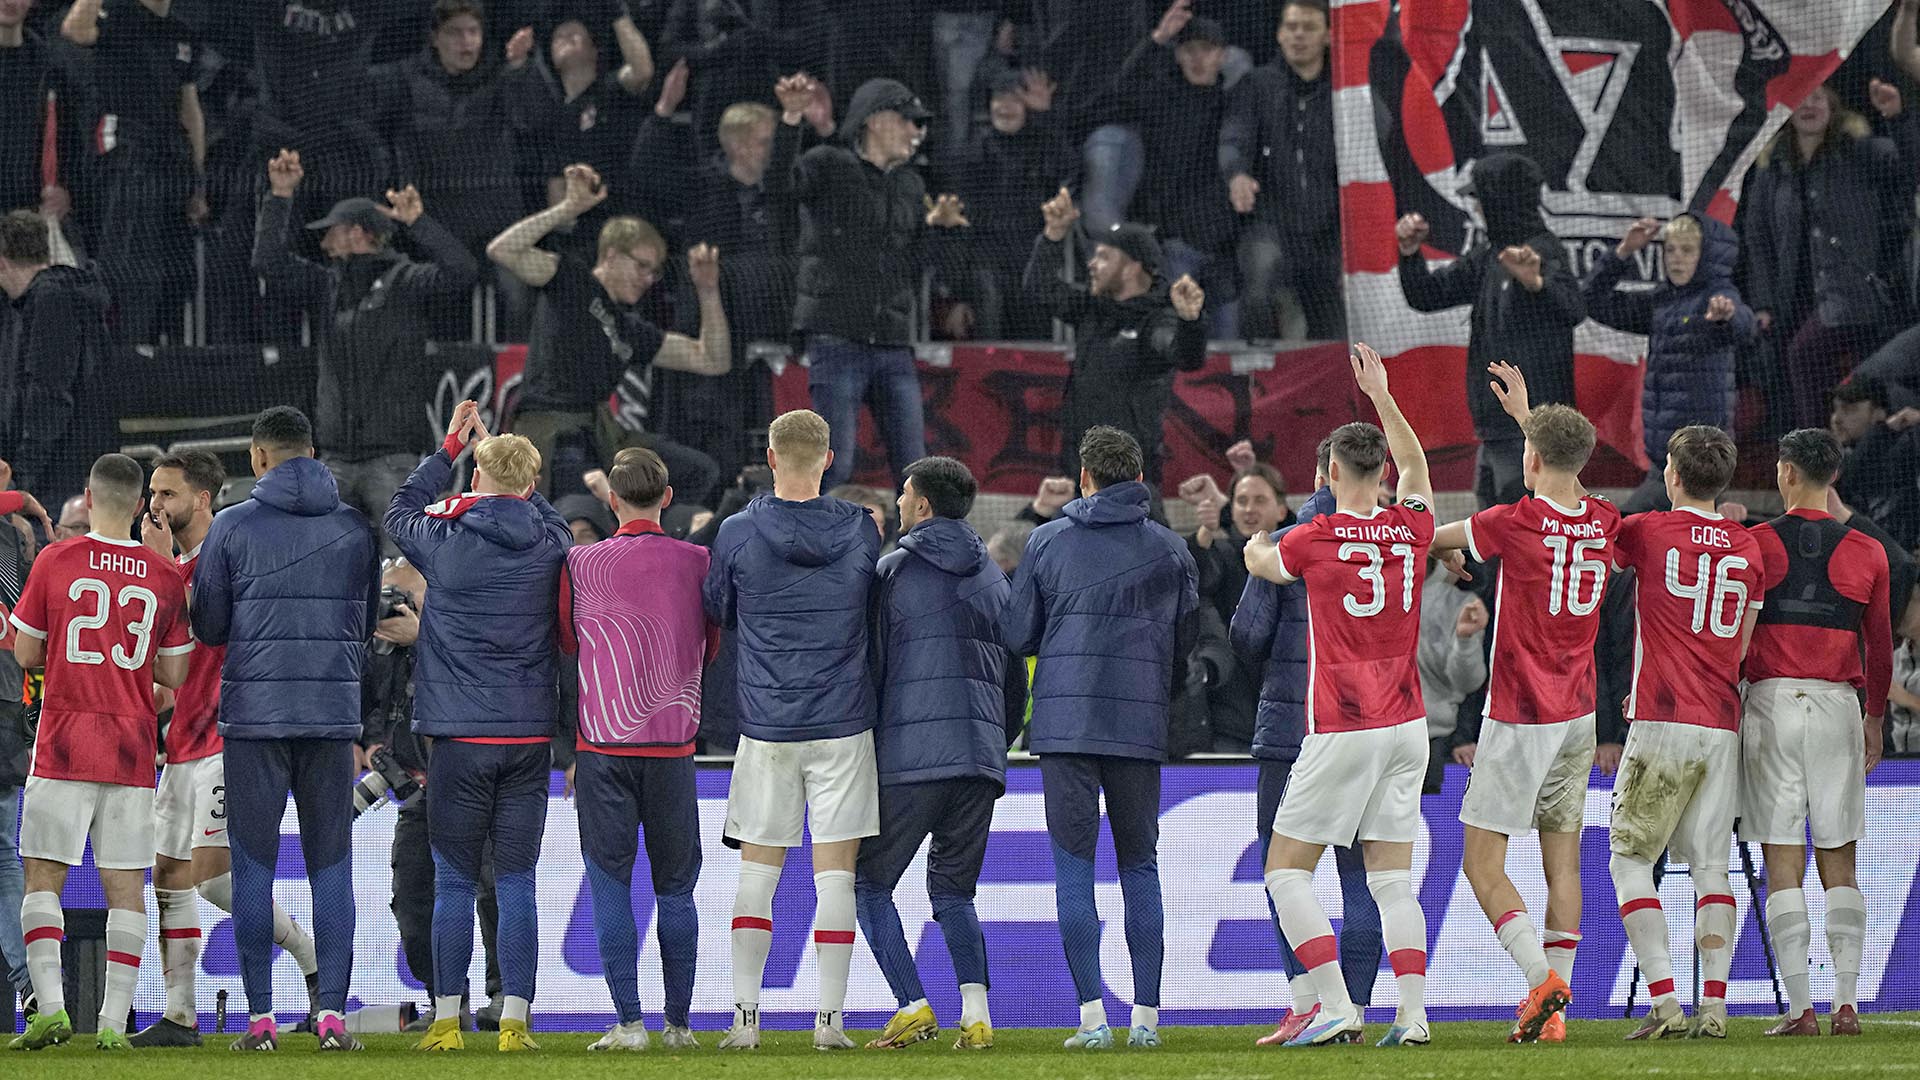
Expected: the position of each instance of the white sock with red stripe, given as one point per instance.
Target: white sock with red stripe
(1404, 926)
(1787, 925)
(179, 950)
(1846, 940)
(1646, 924)
(44, 926)
(1713, 916)
(126, 937)
(286, 933)
(1560, 946)
(833, 940)
(1311, 935)
(752, 937)
(1517, 936)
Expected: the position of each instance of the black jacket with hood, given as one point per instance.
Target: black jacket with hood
(1531, 330)
(862, 236)
(371, 319)
(56, 403)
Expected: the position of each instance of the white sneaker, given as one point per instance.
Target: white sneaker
(678, 1038)
(742, 1037)
(623, 1037)
(827, 1037)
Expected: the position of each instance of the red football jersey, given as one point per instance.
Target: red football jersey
(105, 608)
(1553, 575)
(1698, 576)
(195, 730)
(1363, 580)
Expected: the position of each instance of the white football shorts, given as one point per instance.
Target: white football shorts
(832, 785)
(1528, 776)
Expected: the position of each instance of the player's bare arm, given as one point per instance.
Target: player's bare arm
(1370, 373)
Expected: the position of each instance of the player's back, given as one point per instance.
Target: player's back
(105, 608)
(1363, 580)
(1698, 576)
(1554, 562)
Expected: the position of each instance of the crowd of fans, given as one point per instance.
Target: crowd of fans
(653, 189)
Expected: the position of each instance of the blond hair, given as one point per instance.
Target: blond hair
(508, 460)
(1561, 436)
(627, 234)
(799, 439)
(1684, 227)
(742, 117)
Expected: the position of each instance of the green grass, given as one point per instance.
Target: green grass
(1890, 1047)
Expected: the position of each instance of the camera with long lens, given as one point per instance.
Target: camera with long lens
(385, 782)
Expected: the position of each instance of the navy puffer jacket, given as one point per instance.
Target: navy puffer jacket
(938, 662)
(793, 580)
(484, 666)
(1690, 360)
(1102, 597)
(289, 582)
(1270, 632)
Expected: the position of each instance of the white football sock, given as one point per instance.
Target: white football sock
(1792, 934)
(973, 1005)
(1560, 946)
(1305, 997)
(1146, 1016)
(126, 937)
(1404, 927)
(1846, 940)
(45, 926)
(1645, 922)
(833, 919)
(1516, 934)
(1093, 1014)
(752, 937)
(1713, 917)
(1311, 936)
(179, 950)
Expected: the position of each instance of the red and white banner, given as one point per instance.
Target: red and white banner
(1631, 109)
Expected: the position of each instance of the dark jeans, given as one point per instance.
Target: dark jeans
(368, 485)
(694, 475)
(146, 248)
(1272, 265)
(412, 903)
(1360, 935)
(958, 814)
(1116, 159)
(1499, 475)
(480, 795)
(841, 376)
(620, 798)
(319, 772)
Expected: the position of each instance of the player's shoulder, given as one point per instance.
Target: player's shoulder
(1600, 508)
(1414, 505)
(1864, 547)
(59, 557)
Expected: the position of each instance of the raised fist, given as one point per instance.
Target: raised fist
(1188, 298)
(1060, 214)
(1055, 492)
(284, 173)
(584, 191)
(1411, 231)
(1241, 192)
(1241, 456)
(703, 266)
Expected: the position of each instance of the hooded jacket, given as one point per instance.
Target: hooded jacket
(793, 579)
(56, 405)
(484, 665)
(370, 317)
(862, 235)
(1270, 631)
(1531, 330)
(1103, 598)
(1125, 354)
(1690, 360)
(938, 663)
(289, 582)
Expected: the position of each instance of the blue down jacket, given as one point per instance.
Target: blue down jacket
(793, 580)
(1270, 631)
(484, 666)
(1102, 597)
(938, 662)
(1690, 361)
(289, 582)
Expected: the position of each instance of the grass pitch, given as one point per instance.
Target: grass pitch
(1890, 1047)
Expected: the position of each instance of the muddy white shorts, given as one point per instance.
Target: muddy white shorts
(1528, 776)
(1678, 787)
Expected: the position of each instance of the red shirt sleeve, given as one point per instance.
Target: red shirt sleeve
(30, 614)
(1294, 547)
(1626, 543)
(563, 625)
(1484, 531)
(1876, 628)
(177, 636)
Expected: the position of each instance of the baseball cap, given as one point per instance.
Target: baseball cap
(1202, 29)
(355, 211)
(881, 95)
(1136, 242)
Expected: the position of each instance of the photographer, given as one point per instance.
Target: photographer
(387, 732)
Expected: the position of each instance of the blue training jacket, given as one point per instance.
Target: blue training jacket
(484, 666)
(794, 579)
(1270, 631)
(289, 582)
(1099, 598)
(938, 662)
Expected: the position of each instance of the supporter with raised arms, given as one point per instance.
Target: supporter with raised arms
(1364, 757)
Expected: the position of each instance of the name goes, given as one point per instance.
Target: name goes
(1709, 536)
